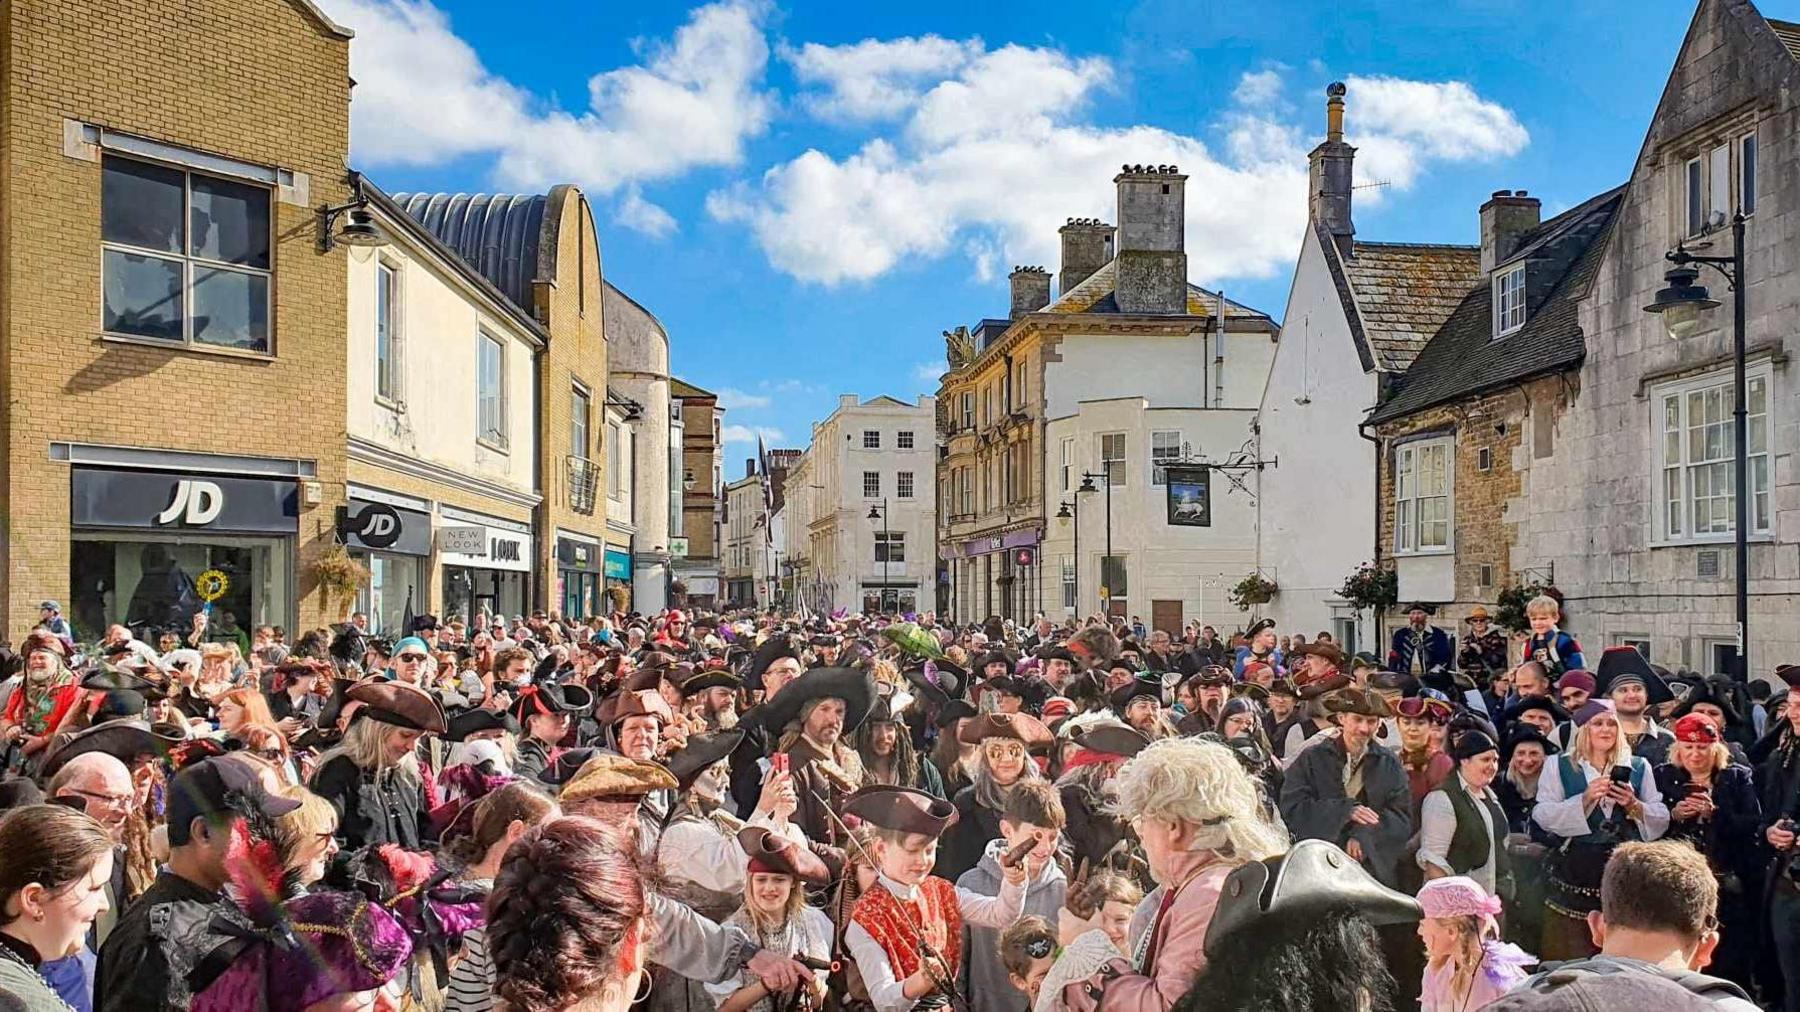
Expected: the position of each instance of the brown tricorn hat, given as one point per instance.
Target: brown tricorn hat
(1329, 651)
(615, 776)
(639, 703)
(772, 852)
(1362, 701)
(1111, 738)
(400, 704)
(902, 809)
(1021, 727)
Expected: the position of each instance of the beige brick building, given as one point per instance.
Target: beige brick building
(171, 333)
(703, 484)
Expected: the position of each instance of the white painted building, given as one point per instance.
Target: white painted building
(441, 426)
(1357, 314)
(1115, 405)
(874, 456)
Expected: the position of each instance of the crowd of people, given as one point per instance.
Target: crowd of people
(760, 812)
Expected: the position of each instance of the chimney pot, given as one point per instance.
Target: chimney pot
(1332, 173)
(1030, 290)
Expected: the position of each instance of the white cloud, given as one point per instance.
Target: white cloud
(1259, 87)
(929, 372)
(423, 97)
(744, 434)
(737, 400)
(991, 159)
(634, 212)
(874, 79)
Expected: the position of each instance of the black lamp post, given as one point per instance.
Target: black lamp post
(886, 552)
(1071, 511)
(1680, 306)
(1087, 485)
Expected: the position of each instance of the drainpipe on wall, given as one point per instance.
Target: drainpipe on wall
(1363, 431)
(546, 530)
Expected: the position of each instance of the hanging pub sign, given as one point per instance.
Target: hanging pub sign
(1190, 495)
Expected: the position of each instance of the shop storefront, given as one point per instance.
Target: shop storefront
(140, 540)
(578, 577)
(486, 562)
(618, 569)
(391, 535)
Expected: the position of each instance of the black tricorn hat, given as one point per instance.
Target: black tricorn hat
(954, 711)
(714, 678)
(111, 677)
(1111, 738)
(701, 752)
(551, 698)
(1121, 697)
(124, 740)
(476, 720)
(1625, 664)
(1312, 879)
(855, 688)
(774, 648)
(943, 683)
(566, 764)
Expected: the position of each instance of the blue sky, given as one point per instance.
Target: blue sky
(808, 194)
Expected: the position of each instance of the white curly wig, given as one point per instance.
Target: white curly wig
(1200, 783)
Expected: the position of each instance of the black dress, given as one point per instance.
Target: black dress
(373, 806)
(1732, 843)
(968, 837)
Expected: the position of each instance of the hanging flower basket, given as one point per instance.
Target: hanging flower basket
(340, 577)
(1253, 590)
(1371, 587)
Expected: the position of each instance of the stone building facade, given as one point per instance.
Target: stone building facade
(171, 404)
(1635, 507)
(697, 557)
(1459, 432)
(638, 346)
(1033, 399)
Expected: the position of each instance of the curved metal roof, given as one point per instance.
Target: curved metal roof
(498, 234)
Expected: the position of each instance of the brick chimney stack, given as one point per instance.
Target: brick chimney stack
(1087, 244)
(1152, 257)
(1332, 174)
(1030, 290)
(1505, 218)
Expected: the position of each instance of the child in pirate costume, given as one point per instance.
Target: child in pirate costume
(908, 905)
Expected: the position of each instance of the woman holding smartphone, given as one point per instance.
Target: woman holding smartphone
(1592, 798)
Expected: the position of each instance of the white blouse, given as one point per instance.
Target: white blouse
(1566, 816)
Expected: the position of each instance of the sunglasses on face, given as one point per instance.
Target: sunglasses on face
(412, 658)
(1004, 751)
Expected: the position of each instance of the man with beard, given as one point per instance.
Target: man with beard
(1058, 664)
(712, 696)
(772, 666)
(1419, 646)
(1350, 792)
(1634, 687)
(1484, 649)
(1139, 704)
(825, 649)
(812, 714)
(887, 753)
(1199, 697)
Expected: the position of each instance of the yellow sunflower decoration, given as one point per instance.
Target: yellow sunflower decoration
(211, 585)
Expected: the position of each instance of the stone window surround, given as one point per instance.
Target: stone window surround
(1676, 152)
(1652, 389)
(1446, 437)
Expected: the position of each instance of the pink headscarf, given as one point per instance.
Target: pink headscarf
(1458, 896)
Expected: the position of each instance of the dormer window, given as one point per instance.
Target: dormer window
(1509, 300)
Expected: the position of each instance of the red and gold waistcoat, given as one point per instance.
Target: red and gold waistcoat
(879, 912)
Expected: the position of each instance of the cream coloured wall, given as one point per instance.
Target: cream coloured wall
(439, 320)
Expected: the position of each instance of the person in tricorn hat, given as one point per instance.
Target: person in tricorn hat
(1418, 646)
(775, 913)
(1261, 644)
(811, 715)
(1350, 791)
(1199, 697)
(1314, 678)
(1139, 704)
(1484, 648)
(544, 713)
(373, 777)
(906, 932)
(711, 694)
(774, 663)
(1627, 679)
(1007, 742)
(886, 749)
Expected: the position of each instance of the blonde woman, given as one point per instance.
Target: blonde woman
(1467, 967)
(776, 916)
(306, 838)
(1198, 815)
(372, 778)
(1592, 798)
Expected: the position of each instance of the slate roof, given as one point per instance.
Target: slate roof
(1789, 34)
(1095, 295)
(1463, 358)
(498, 234)
(1403, 292)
